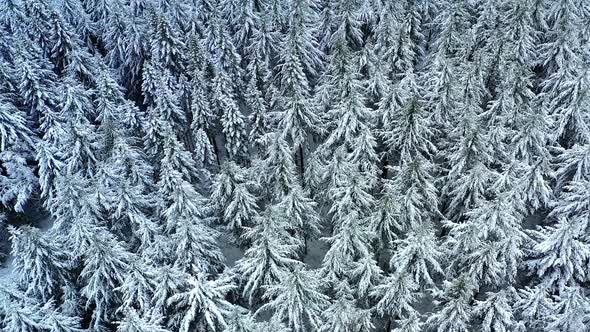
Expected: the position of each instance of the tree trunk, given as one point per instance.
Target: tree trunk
(301, 166)
(384, 168)
(215, 148)
(388, 325)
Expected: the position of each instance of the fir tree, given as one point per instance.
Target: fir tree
(41, 264)
(133, 322)
(571, 311)
(202, 305)
(270, 257)
(234, 198)
(455, 312)
(396, 296)
(106, 265)
(495, 312)
(297, 300)
(561, 253)
(344, 314)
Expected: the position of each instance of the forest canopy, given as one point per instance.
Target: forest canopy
(294, 165)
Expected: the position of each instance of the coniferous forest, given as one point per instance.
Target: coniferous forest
(295, 165)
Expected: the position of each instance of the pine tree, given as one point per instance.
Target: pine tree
(271, 255)
(133, 322)
(234, 197)
(274, 325)
(396, 296)
(301, 213)
(66, 50)
(195, 247)
(468, 190)
(256, 101)
(296, 117)
(348, 116)
(21, 313)
(276, 167)
(401, 37)
(347, 23)
(74, 13)
(455, 312)
(349, 243)
(564, 86)
(495, 312)
(241, 320)
(106, 264)
(202, 305)
(344, 315)
(406, 127)
(42, 265)
(166, 47)
(489, 245)
(15, 314)
(56, 321)
(297, 300)
(413, 185)
(192, 239)
(19, 181)
(137, 289)
(560, 254)
(417, 255)
(534, 305)
(12, 15)
(38, 18)
(168, 281)
(202, 118)
(220, 45)
(232, 120)
(571, 313)
(572, 165)
(385, 220)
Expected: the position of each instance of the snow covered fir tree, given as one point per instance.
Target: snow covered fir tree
(295, 165)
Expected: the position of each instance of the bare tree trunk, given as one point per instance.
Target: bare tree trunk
(301, 166)
(384, 168)
(388, 325)
(215, 148)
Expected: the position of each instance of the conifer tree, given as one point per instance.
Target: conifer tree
(297, 300)
(533, 304)
(495, 312)
(344, 314)
(133, 322)
(137, 288)
(202, 305)
(455, 312)
(166, 47)
(232, 195)
(271, 255)
(106, 264)
(232, 119)
(417, 255)
(42, 265)
(396, 296)
(16, 149)
(560, 254)
(299, 57)
(571, 311)
(241, 320)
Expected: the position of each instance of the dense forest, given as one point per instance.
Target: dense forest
(295, 165)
